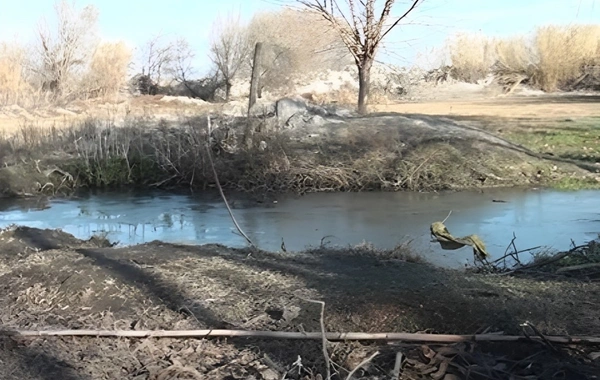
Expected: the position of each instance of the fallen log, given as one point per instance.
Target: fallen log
(578, 267)
(332, 336)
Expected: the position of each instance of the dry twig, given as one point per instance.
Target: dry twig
(323, 337)
(329, 336)
(349, 377)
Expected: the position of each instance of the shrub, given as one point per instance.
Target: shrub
(552, 58)
(13, 87)
(107, 71)
(295, 43)
(472, 56)
(563, 51)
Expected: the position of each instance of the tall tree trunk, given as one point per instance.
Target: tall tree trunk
(364, 84)
(255, 76)
(228, 86)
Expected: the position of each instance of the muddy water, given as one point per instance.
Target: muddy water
(538, 218)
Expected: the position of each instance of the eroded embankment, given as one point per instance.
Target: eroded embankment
(378, 152)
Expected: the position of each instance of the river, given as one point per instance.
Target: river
(537, 217)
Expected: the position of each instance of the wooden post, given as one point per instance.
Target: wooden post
(255, 76)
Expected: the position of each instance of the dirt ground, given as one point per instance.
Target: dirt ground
(52, 281)
(156, 107)
(539, 107)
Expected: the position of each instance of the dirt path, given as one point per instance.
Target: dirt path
(52, 281)
(543, 107)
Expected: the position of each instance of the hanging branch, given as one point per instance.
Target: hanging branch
(212, 164)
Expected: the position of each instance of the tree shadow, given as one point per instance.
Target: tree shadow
(34, 362)
(153, 286)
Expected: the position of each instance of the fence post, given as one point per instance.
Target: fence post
(255, 76)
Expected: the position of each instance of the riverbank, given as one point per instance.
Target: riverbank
(52, 281)
(317, 149)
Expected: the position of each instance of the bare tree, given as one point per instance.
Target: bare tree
(67, 48)
(362, 28)
(156, 57)
(230, 49)
(297, 44)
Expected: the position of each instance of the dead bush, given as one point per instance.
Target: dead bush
(64, 49)
(345, 95)
(552, 58)
(472, 56)
(563, 53)
(295, 43)
(13, 88)
(107, 72)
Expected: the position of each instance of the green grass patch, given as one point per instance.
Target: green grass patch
(574, 183)
(574, 139)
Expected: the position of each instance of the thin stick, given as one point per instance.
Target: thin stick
(398, 365)
(551, 260)
(509, 254)
(444, 221)
(323, 336)
(349, 377)
(212, 164)
(535, 330)
(292, 335)
(515, 251)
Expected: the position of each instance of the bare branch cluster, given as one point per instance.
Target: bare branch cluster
(362, 27)
(63, 51)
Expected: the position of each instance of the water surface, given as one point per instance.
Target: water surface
(547, 218)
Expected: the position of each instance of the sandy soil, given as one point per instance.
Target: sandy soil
(52, 281)
(168, 108)
(543, 107)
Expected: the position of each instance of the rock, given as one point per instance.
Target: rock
(287, 107)
(182, 99)
(263, 108)
(234, 108)
(269, 374)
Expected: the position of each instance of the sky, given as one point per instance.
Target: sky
(136, 21)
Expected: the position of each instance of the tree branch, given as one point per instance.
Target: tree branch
(412, 7)
(331, 336)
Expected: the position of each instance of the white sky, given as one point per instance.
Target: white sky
(135, 21)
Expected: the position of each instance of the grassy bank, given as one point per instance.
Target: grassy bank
(569, 139)
(375, 153)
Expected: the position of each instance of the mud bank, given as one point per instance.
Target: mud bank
(52, 281)
(311, 153)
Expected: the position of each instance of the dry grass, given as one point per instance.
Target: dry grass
(346, 95)
(472, 56)
(564, 51)
(552, 58)
(107, 70)
(13, 87)
(297, 43)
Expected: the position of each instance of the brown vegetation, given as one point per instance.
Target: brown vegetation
(66, 62)
(296, 44)
(385, 153)
(107, 71)
(552, 58)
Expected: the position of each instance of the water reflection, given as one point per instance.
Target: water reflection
(385, 219)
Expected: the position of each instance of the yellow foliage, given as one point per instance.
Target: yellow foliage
(11, 73)
(108, 69)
